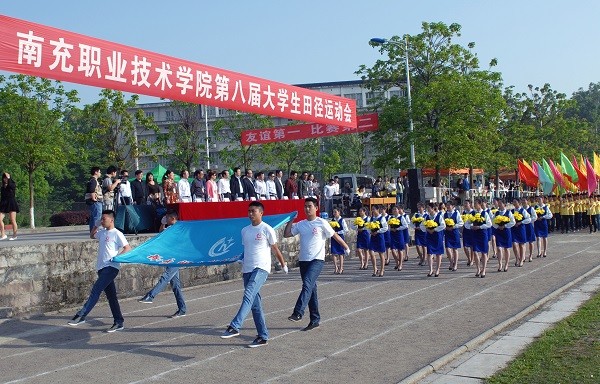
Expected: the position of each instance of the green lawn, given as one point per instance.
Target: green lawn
(567, 353)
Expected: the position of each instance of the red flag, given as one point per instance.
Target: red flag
(592, 182)
(526, 174)
(558, 178)
(582, 179)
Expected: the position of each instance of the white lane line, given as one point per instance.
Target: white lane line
(413, 321)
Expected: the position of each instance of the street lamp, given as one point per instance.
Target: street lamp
(414, 177)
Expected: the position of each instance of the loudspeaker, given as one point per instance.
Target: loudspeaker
(416, 193)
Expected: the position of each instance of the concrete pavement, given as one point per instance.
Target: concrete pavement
(373, 330)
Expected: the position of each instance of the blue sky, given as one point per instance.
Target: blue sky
(310, 41)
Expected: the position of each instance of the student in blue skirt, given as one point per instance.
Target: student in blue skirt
(337, 249)
(503, 234)
(434, 238)
(387, 236)
(377, 241)
(452, 235)
(397, 236)
(529, 231)
(522, 219)
(420, 243)
(479, 224)
(363, 238)
(541, 226)
(467, 235)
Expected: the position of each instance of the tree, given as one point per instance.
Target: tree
(112, 128)
(185, 135)
(32, 110)
(587, 109)
(300, 154)
(456, 106)
(230, 129)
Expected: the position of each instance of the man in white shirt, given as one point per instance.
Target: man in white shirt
(111, 243)
(183, 187)
(279, 184)
(336, 184)
(258, 239)
(125, 189)
(260, 186)
(328, 192)
(223, 185)
(314, 232)
(271, 188)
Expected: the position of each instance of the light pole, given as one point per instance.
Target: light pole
(414, 177)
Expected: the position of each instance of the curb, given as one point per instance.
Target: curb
(473, 343)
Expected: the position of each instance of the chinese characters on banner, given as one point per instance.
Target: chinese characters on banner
(366, 123)
(37, 50)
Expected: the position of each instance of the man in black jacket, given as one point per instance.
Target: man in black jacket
(199, 186)
(235, 184)
(279, 183)
(139, 189)
(248, 185)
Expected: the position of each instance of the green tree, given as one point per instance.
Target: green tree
(587, 109)
(31, 127)
(111, 127)
(185, 135)
(456, 106)
(229, 130)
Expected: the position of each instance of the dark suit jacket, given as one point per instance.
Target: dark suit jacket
(234, 185)
(249, 190)
(291, 187)
(279, 188)
(199, 189)
(139, 191)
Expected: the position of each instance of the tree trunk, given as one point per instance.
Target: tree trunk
(31, 208)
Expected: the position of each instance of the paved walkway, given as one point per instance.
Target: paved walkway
(373, 330)
(493, 354)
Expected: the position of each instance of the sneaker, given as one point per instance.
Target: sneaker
(310, 326)
(146, 300)
(177, 314)
(115, 327)
(12, 238)
(4, 237)
(76, 320)
(258, 342)
(295, 317)
(230, 332)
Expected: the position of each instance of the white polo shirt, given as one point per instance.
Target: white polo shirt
(257, 241)
(111, 243)
(313, 236)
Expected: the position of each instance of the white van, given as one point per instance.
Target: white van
(349, 182)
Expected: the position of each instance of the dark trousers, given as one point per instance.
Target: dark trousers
(106, 283)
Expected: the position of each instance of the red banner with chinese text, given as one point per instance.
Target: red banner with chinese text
(368, 122)
(38, 50)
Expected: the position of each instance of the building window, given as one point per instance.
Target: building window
(150, 115)
(357, 97)
(170, 115)
(374, 97)
(397, 93)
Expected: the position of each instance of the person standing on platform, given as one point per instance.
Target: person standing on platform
(170, 187)
(328, 193)
(236, 186)
(313, 231)
(125, 196)
(291, 185)
(279, 184)
(170, 275)
(183, 187)
(111, 243)
(248, 183)
(212, 190)
(109, 184)
(93, 198)
(303, 186)
(260, 186)
(139, 189)
(271, 186)
(198, 187)
(259, 240)
(224, 186)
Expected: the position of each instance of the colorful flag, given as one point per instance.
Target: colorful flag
(581, 178)
(592, 181)
(547, 170)
(197, 242)
(545, 181)
(526, 174)
(596, 165)
(558, 178)
(582, 165)
(568, 168)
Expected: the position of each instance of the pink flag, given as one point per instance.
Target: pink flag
(558, 177)
(592, 182)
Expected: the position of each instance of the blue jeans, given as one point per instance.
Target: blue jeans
(171, 275)
(106, 283)
(309, 272)
(253, 281)
(95, 214)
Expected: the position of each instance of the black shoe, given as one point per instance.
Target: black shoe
(295, 317)
(76, 320)
(115, 327)
(177, 314)
(230, 332)
(258, 342)
(310, 326)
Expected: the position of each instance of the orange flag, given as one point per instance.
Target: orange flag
(581, 177)
(596, 165)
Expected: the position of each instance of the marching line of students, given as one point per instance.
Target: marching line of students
(500, 231)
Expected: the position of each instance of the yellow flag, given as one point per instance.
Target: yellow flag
(596, 165)
(582, 165)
